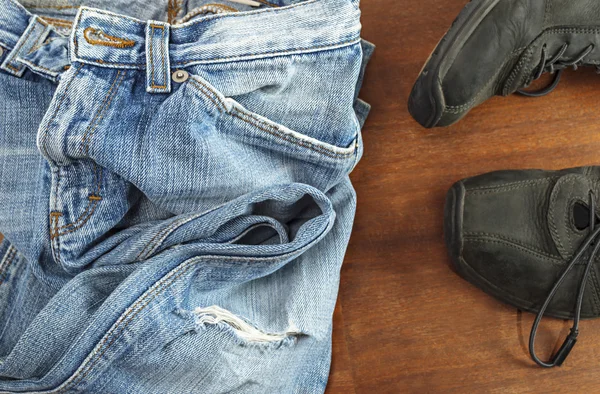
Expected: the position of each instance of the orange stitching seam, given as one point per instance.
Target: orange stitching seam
(153, 85)
(93, 199)
(95, 205)
(58, 22)
(53, 220)
(266, 127)
(110, 41)
(12, 68)
(54, 216)
(56, 250)
(173, 9)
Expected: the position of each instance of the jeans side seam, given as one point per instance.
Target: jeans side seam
(141, 303)
(159, 237)
(128, 317)
(10, 256)
(150, 246)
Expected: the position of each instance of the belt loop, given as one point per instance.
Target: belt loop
(33, 37)
(158, 66)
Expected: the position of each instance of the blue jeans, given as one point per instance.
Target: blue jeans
(175, 196)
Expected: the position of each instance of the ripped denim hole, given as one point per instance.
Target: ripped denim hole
(214, 315)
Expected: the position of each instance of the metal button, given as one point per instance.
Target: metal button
(1, 51)
(180, 76)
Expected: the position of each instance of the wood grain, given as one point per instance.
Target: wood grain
(406, 323)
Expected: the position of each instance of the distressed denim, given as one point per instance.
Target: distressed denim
(173, 233)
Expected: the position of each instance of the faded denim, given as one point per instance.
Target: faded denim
(174, 237)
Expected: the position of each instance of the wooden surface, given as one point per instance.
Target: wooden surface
(405, 322)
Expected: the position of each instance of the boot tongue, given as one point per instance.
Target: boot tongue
(567, 206)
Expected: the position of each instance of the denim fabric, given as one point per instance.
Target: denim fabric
(171, 237)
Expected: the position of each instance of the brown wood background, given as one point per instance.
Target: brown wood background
(405, 322)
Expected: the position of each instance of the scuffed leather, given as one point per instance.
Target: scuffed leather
(505, 49)
(518, 234)
(491, 52)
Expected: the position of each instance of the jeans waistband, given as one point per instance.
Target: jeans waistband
(107, 39)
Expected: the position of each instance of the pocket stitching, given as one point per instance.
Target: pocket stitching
(274, 129)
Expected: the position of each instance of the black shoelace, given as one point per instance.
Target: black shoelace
(555, 65)
(567, 346)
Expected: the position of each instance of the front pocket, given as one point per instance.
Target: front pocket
(298, 99)
(239, 122)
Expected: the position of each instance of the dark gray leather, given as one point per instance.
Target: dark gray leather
(517, 235)
(491, 51)
(504, 50)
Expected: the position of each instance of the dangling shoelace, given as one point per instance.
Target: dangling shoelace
(567, 346)
(554, 65)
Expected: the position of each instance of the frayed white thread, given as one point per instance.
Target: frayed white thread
(215, 315)
(247, 2)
